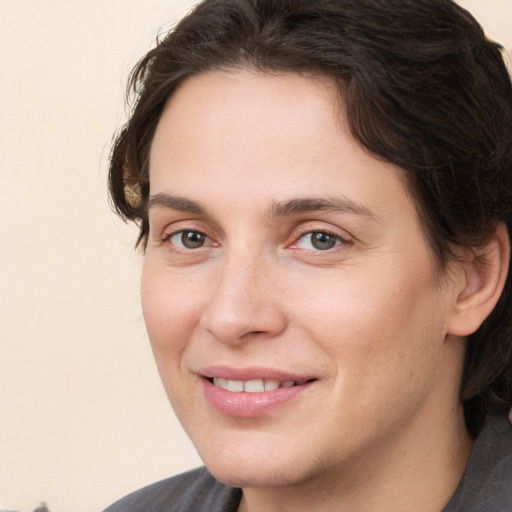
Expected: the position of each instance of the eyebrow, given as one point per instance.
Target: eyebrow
(180, 204)
(306, 204)
(290, 207)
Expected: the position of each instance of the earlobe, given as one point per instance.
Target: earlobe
(482, 280)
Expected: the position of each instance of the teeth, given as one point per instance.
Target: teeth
(235, 385)
(252, 386)
(220, 382)
(271, 384)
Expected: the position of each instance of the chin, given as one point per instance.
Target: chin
(256, 477)
(252, 471)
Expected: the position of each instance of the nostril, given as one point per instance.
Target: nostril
(252, 333)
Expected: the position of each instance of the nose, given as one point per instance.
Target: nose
(244, 303)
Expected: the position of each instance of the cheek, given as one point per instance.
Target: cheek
(170, 313)
(379, 329)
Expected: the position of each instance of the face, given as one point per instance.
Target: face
(296, 318)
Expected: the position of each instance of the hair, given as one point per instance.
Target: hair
(423, 88)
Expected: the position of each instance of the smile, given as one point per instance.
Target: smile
(253, 386)
(254, 396)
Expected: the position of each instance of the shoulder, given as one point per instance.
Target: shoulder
(196, 490)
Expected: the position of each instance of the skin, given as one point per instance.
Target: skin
(370, 319)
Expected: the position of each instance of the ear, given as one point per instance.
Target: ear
(480, 284)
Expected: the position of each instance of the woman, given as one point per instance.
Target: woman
(324, 194)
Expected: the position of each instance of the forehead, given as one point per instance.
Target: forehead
(209, 108)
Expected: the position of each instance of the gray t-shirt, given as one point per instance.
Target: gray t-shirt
(485, 487)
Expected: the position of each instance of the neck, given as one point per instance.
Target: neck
(419, 470)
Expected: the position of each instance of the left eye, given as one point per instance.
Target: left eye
(187, 239)
(318, 241)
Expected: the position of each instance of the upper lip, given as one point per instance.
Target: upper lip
(251, 373)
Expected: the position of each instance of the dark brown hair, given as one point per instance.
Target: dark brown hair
(424, 89)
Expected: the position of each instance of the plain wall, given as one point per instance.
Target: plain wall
(83, 418)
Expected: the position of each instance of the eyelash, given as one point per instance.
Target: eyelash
(169, 236)
(338, 240)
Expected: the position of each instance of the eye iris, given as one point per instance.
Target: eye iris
(192, 239)
(322, 241)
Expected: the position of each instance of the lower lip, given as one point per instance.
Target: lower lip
(250, 405)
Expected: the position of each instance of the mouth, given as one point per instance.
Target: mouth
(255, 385)
(250, 393)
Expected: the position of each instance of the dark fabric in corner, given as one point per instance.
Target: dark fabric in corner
(487, 482)
(194, 491)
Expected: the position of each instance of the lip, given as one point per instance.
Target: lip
(251, 373)
(250, 405)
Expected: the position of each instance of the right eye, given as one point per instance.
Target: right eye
(319, 241)
(188, 239)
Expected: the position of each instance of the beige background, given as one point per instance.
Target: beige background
(83, 419)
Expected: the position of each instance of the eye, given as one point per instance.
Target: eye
(318, 241)
(188, 239)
